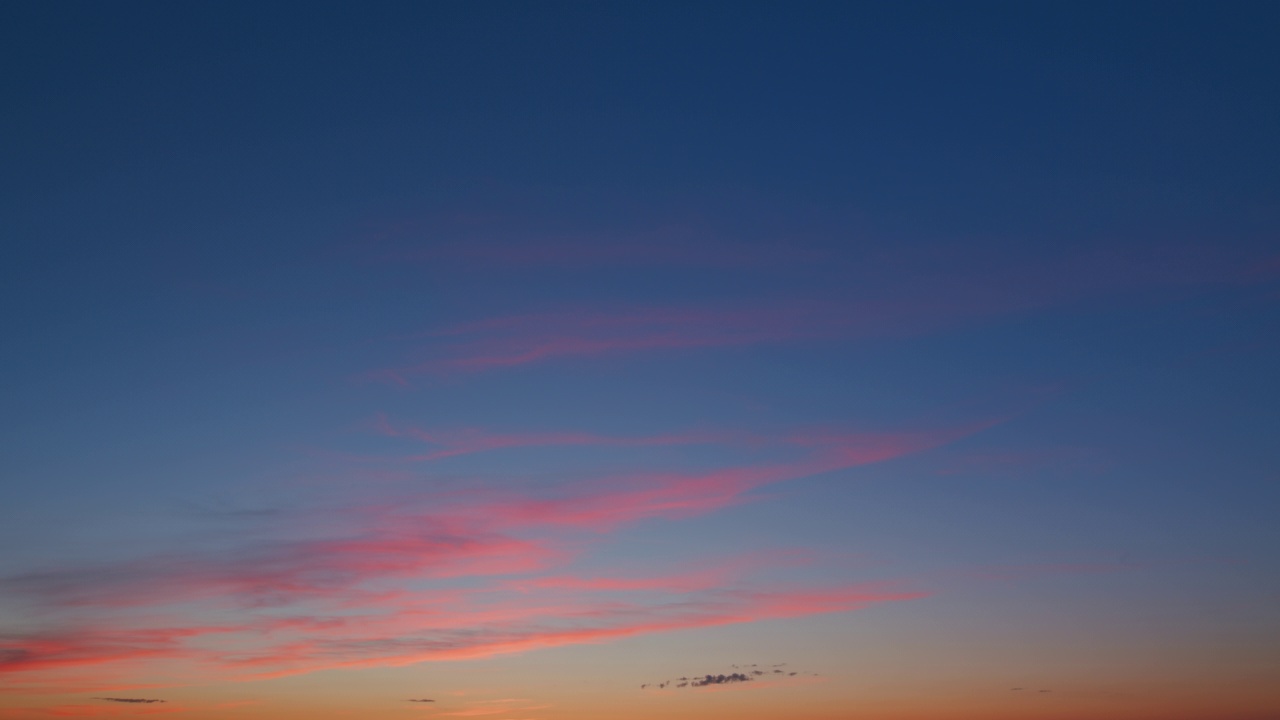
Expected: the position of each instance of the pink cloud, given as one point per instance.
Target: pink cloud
(510, 341)
(901, 294)
(477, 533)
(603, 505)
(496, 618)
(111, 711)
(78, 647)
(349, 626)
(441, 576)
(856, 447)
(81, 711)
(603, 621)
(284, 572)
(706, 576)
(519, 340)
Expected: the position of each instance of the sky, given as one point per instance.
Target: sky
(689, 360)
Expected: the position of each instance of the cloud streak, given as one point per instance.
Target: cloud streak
(858, 447)
(439, 576)
(506, 342)
(584, 622)
(895, 296)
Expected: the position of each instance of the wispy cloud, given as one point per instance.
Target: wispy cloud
(439, 576)
(405, 640)
(80, 646)
(510, 341)
(894, 296)
(721, 573)
(282, 572)
(350, 629)
(524, 339)
(856, 446)
(104, 711)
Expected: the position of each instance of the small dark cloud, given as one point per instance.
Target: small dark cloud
(1046, 691)
(130, 700)
(421, 700)
(721, 679)
(746, 675)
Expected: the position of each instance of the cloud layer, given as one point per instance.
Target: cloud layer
(436, 576)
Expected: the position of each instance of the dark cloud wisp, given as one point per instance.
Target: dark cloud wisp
(720, 679)
(743, 673)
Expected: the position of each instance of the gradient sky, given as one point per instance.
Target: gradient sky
(570, 360)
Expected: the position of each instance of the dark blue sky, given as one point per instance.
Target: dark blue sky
(998, 118)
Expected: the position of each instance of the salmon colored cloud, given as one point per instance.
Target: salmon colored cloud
(106, 711)
(595, 624)
(438, 576)
(76, 647)
(279, 573)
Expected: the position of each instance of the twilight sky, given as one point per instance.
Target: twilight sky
(571, 360)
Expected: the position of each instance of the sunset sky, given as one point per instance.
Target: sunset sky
(582, 360)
